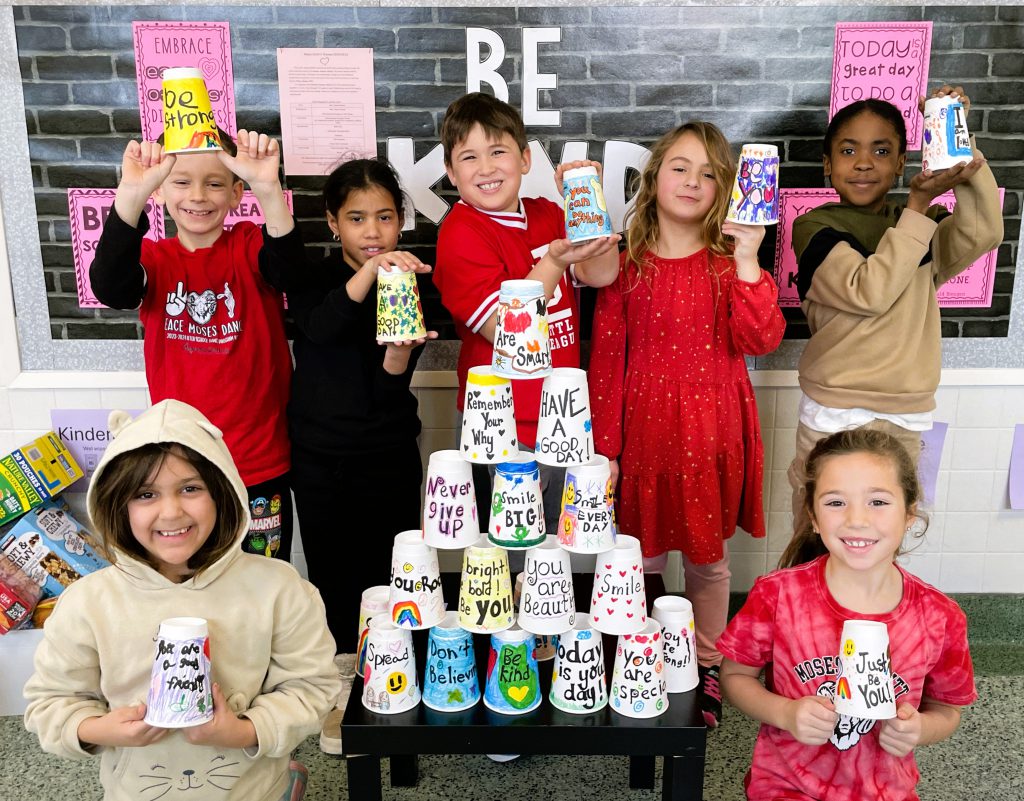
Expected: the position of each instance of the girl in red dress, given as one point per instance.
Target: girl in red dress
(673, 407)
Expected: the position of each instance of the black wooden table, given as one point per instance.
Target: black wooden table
(679, 735)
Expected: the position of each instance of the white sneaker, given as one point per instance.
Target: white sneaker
(503, 757)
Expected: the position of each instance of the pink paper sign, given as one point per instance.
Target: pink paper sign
(971, 288)
(88, 209)
(249, 210)
(884, 60)
(205, 45)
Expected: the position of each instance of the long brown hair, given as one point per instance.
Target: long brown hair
(642, 230)
(121, 480)
(807, 544)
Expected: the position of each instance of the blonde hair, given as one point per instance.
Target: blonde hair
(806, 544)
(642, 230)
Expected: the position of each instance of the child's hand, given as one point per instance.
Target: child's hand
(258, 160)
(144, 167)
(396, 357)
(747, 239)
(901, 735)
(120, 728)
(945, 89)
(563, 252)
(811, 719)
(405, 345)
(573, 165)
(928, 185)
(613, 467)
(226, 730)
(406, 262)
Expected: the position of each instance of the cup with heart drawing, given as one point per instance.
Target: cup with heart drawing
(488, 418)
(618, 603)
(513, 684)
(389, 673)
(638, 677)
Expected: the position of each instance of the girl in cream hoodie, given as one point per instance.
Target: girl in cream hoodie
(170, 508)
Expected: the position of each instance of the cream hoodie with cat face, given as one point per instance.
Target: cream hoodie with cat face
(271, 651)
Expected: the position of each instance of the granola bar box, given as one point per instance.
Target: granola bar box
(33, 474)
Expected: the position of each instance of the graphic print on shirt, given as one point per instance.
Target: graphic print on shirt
(264, 535)
(217, 776)
(201, 308)
(848, 730)
(561, 329)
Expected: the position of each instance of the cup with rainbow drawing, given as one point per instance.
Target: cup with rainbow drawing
(415, 598)
(864, 686)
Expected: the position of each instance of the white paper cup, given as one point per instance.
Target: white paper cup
(578, 682)
(547, 604)
(488, 418)
(564, 428)
(449, 502)
(416, 598)
(638, 680)
(373, 601)
(864, 684)
(618, 604)
(399, 313)
(485, 591)
(517, 506)
(675, 615)
(513, 683)
(586, 212)
(587, 521)
(755, 192)
(180, 687)
(450, 682)
(946, 141)
(521, 346)
(389, 675)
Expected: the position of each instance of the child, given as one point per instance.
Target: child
(210, 302)
(352, 419)
(671, 398)
(862, 493)
(491, 235)
(868, 272)
(170, 509)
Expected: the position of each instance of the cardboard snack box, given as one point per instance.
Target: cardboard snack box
(33, 474)
(51, 547)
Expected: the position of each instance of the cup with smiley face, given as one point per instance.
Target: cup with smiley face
(389, 673)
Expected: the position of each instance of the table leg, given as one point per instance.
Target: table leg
(405, 770)
(641, 773)
(363, 777)
(683, 778)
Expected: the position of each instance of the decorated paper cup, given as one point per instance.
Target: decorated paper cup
(864, 685)
(517, 506)
(587, 521)
(399, 312)
(488, 418)
(675, 615)
(449, 502)
(544, 644)
(947, 142)
(586, 213)
(450, 682)
(513, 684)
(564, 431)
(578, 681)
(547, 604)
(416, 599)
(485, 592)
(521, 346)
(755, 192)
(374, 601)
(618, 604)
(180, 687)
(638, 680)
(389, 675)
(189, 124)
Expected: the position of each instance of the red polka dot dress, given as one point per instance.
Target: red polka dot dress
(672, 400)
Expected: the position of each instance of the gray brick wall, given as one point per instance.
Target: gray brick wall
(760, 73)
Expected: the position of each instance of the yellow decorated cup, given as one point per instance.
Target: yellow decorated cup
(189, 124)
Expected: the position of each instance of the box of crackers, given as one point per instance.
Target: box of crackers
(35, 473)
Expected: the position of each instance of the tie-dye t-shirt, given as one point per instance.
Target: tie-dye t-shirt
(791, 626)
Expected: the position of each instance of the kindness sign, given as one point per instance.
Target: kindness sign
(883, 60)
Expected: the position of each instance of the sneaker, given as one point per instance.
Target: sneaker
(709, 696)
(502, 757)
(330, 733)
